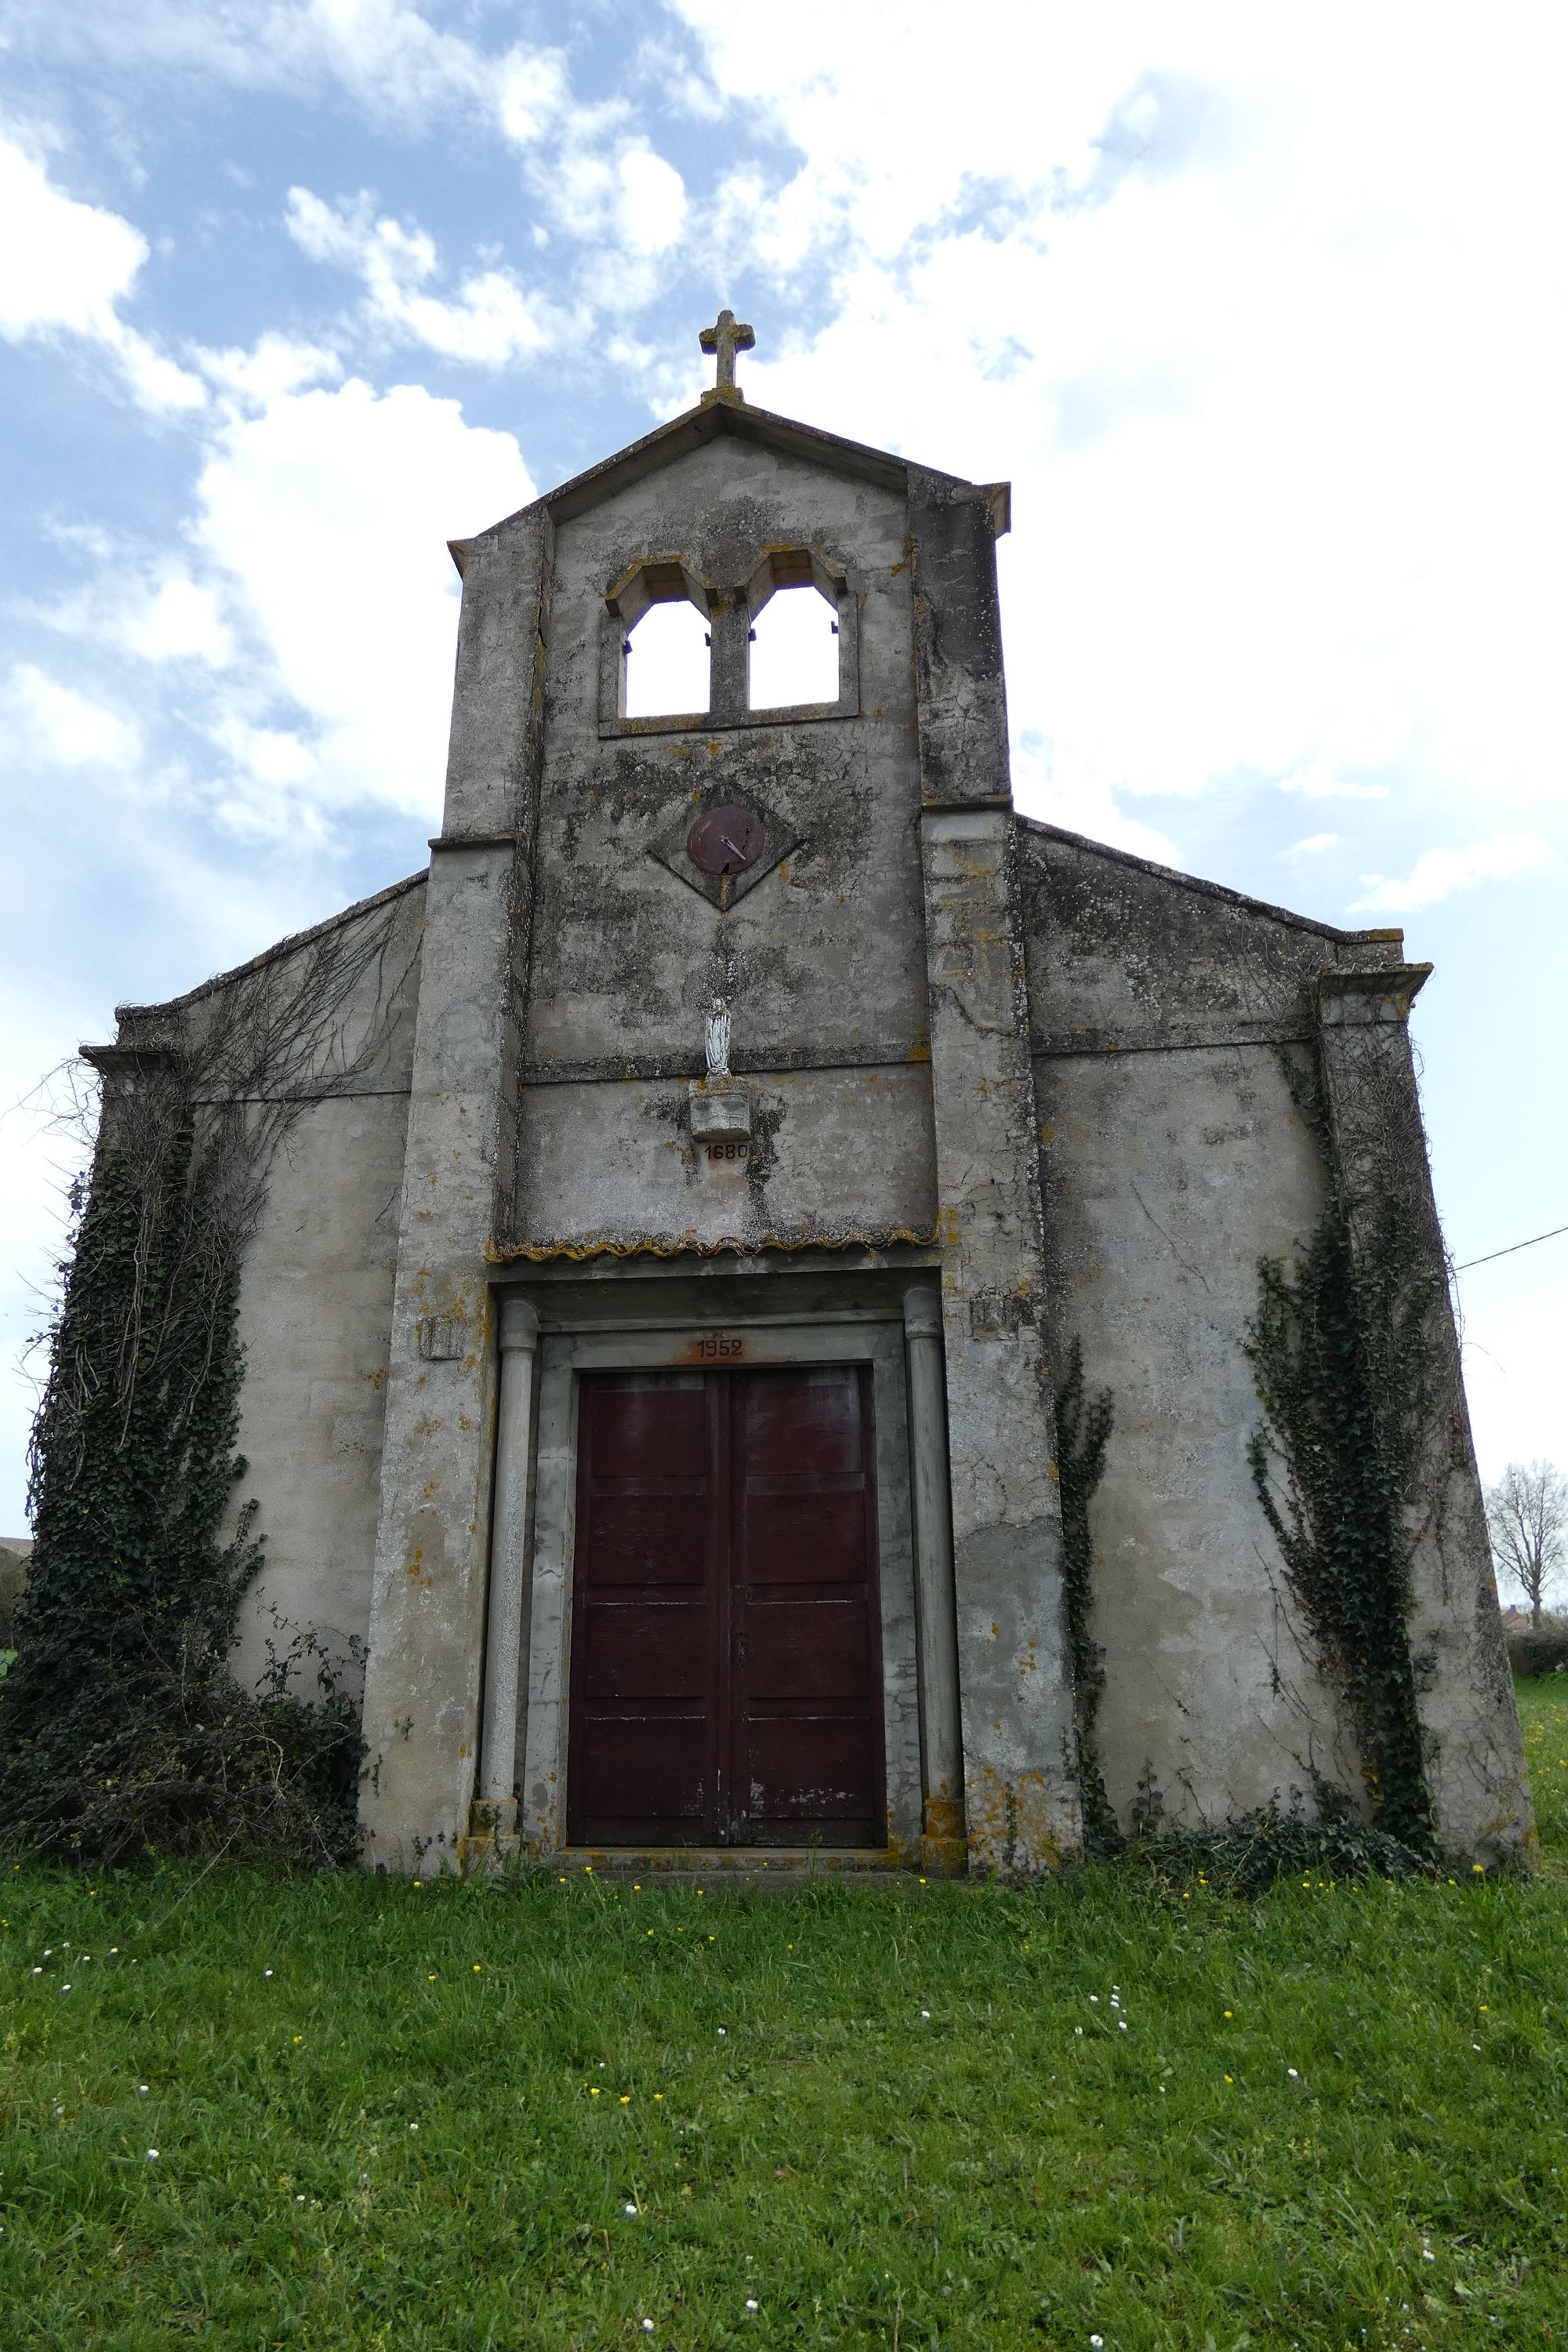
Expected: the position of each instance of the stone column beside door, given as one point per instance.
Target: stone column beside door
(941, 1738)
(506, 1629)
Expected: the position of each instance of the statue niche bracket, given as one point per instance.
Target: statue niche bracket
(721, 1105)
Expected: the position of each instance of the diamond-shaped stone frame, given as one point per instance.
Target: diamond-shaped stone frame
(723, 889)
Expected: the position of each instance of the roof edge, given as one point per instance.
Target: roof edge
(1207, 889)
(691, 430)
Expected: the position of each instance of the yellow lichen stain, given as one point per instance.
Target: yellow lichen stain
(714, 748)
(921, 1053)
(680, 751)
(996, 1629)
(902, 1853)
(1012, 1818)
(1053, 1470)
(377, 1379)
(463, 1421)
(784, 871)
(430, 1488)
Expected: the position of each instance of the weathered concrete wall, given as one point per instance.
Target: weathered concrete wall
(822, 961)
(1021, 1796)
(1123, 953)
(1173, 1157)
(832, 1151)
(424, 1674)
(1168, 1017)
(316, 1322)
(1168, 1175)
(1472, 1756)
(316, 1036)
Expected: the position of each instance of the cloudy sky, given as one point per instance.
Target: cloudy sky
(1261, 310)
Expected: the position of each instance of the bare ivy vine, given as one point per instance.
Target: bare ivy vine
(122, 1730)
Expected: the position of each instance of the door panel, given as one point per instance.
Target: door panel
(635, 1651)
(821, 1650)
(643, 1535)
(644, 1765)
(827, 1801)
(806, 1531)
(807, 1717)
(726, 1659)
(656, 1764)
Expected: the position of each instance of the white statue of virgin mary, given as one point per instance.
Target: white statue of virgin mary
(716, 1040)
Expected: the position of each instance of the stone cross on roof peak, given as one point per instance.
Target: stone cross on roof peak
(723, 341)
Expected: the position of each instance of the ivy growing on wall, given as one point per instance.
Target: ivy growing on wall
(1345, 1361)
(122, 1730)
(1083, 1431)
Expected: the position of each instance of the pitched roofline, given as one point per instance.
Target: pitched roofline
(275, 953)
(689, 431)
(1208, 889)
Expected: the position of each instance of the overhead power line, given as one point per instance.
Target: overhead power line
(1552, 1236)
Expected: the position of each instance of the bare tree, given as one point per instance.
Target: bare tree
(1527, 1512)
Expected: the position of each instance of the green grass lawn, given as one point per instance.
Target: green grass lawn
(541, 2114)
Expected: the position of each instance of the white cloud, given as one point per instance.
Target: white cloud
(490, 322)
(275, 363)
(1221, 306)
(1319, 782)
(64, 728)
(652, 200)
(153, 609)
(532, 95)
(66, 268)
(386, 55)
(1083, 805)
(1438, 871)
(324, 520)
(1314, 844)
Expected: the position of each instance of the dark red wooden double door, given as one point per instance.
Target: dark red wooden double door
(726, 1653)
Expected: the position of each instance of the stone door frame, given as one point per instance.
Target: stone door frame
(871, 1336)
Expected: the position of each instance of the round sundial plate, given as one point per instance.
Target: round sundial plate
(725, 840)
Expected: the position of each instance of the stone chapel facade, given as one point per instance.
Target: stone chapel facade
(675, 1427)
